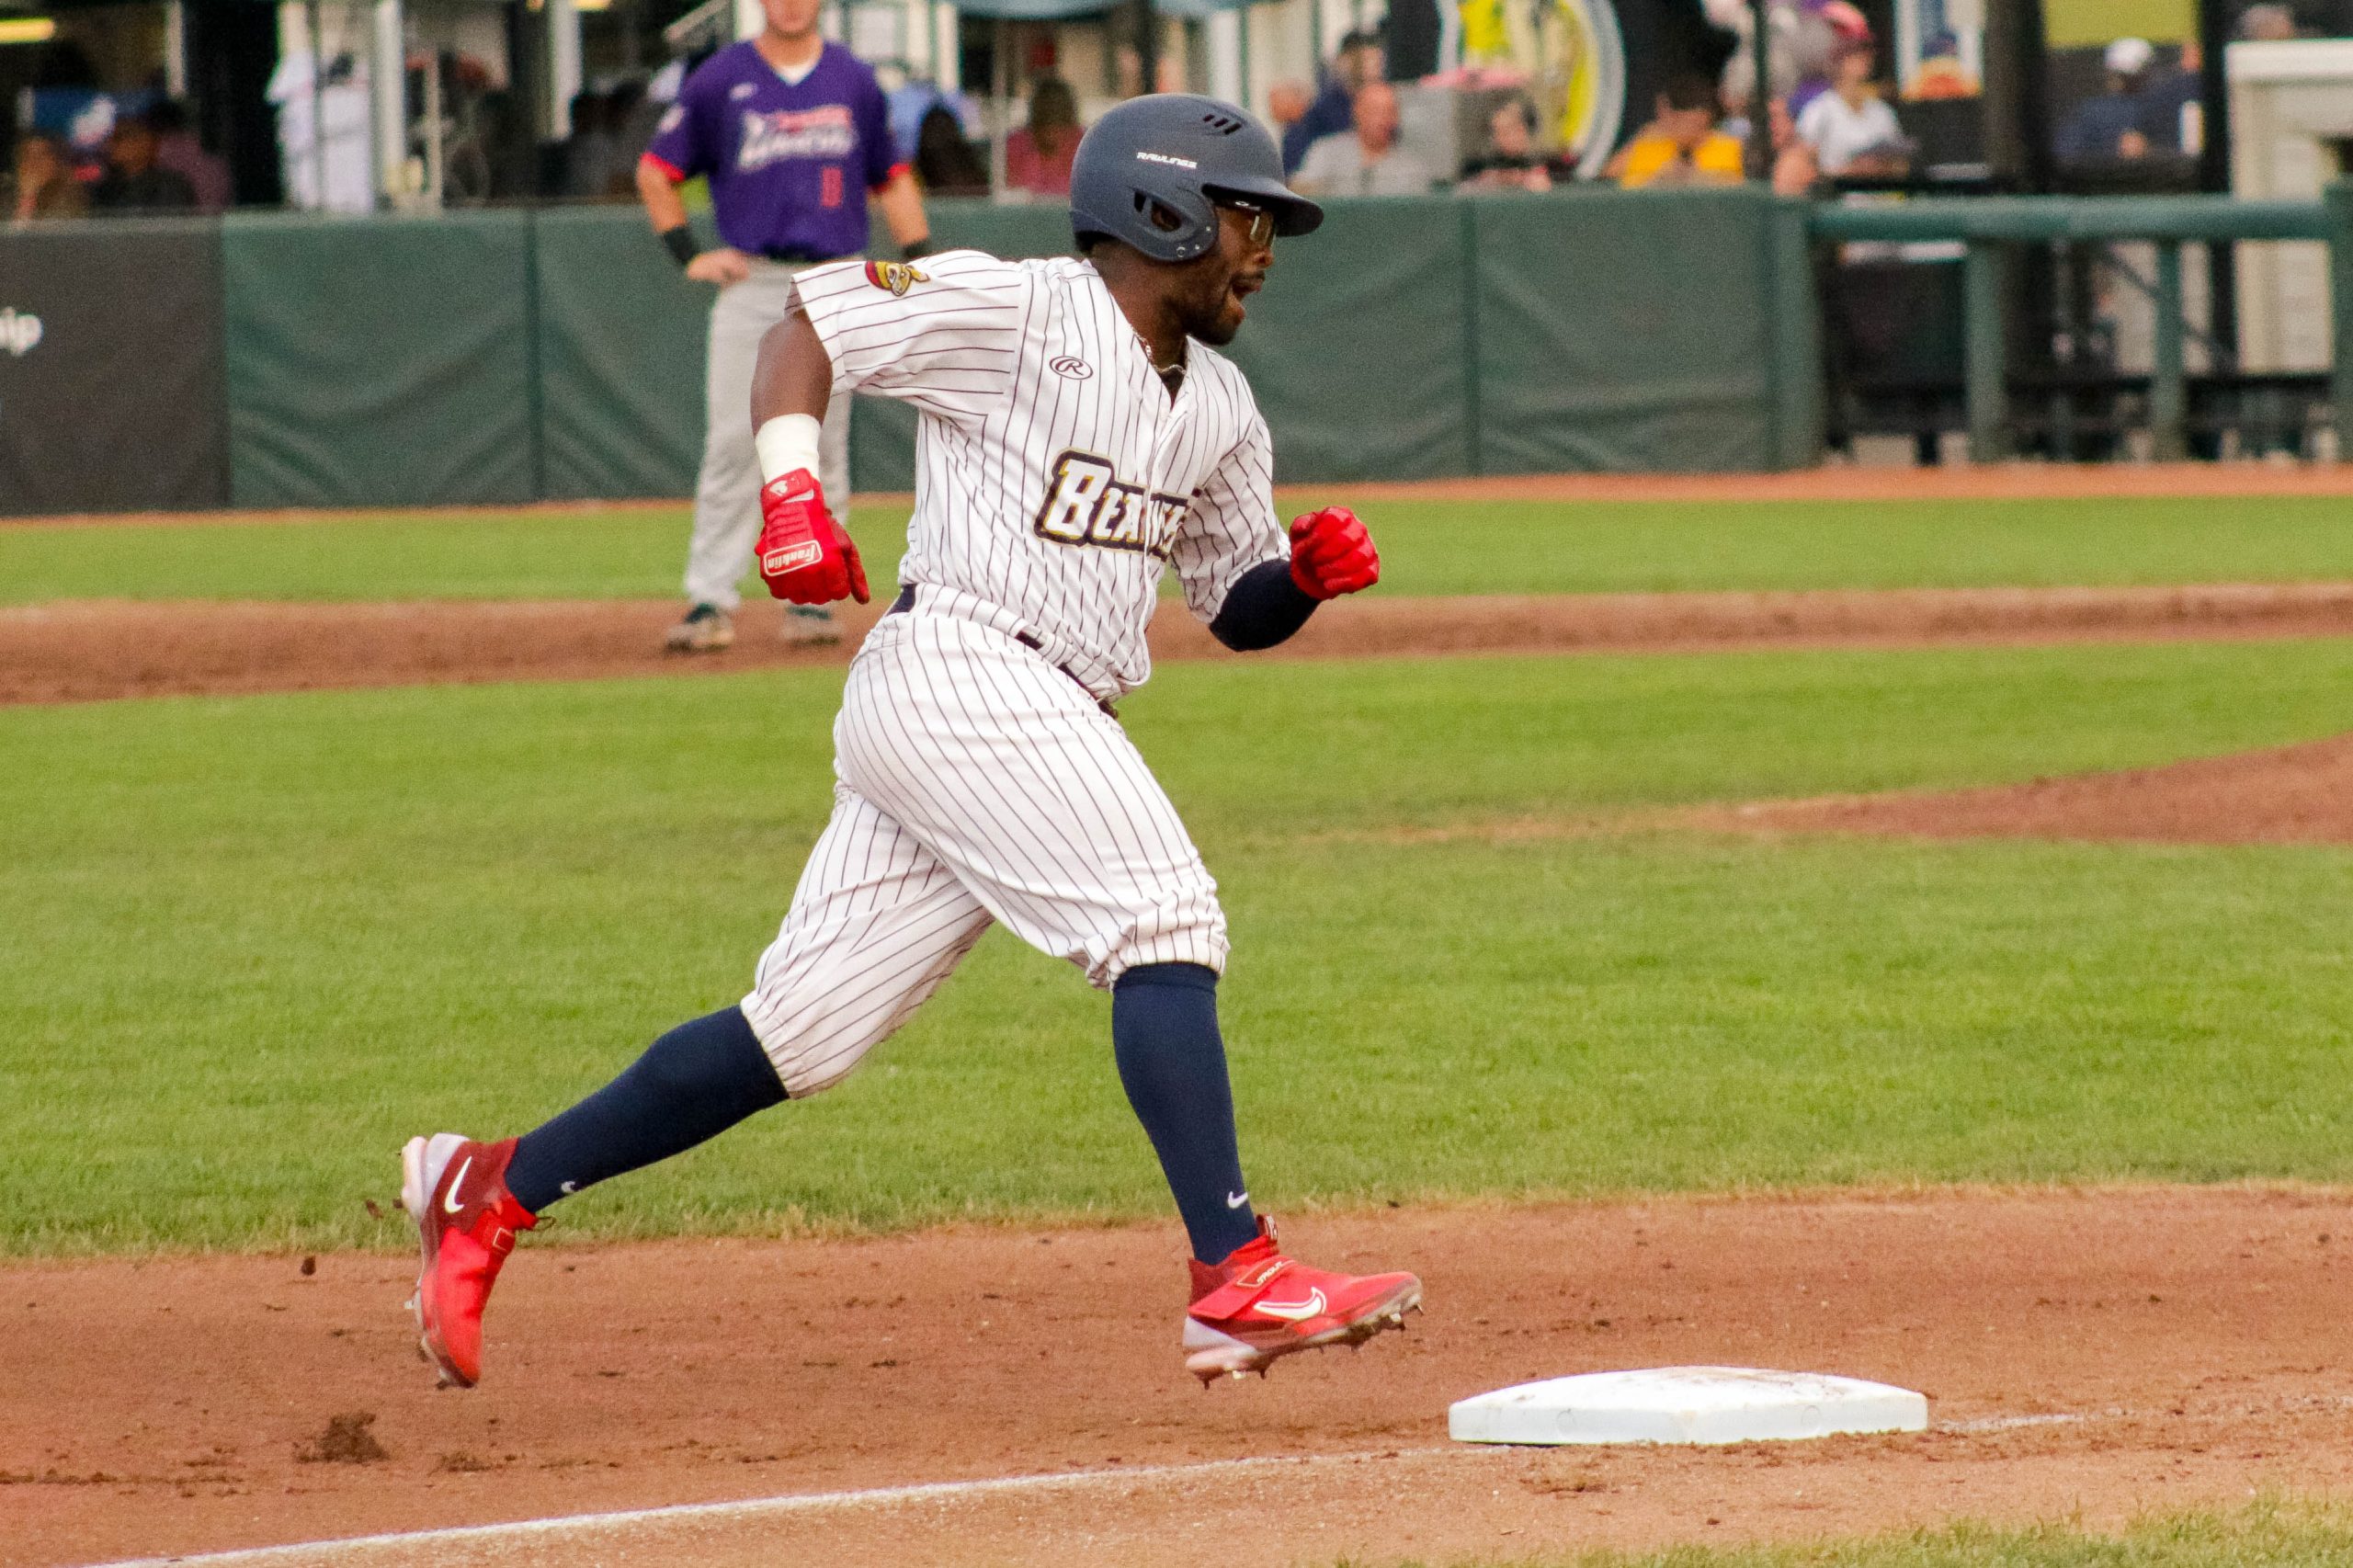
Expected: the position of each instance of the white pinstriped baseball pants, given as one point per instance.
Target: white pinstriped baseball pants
(977, 782)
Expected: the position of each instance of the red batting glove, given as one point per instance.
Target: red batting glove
(1331, 554)
(804, 554)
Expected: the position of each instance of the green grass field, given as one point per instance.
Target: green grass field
(254, 943)
(1429, 547)
(251, 944)
(2262, 1535)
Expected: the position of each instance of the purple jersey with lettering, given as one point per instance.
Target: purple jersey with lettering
(790, 163)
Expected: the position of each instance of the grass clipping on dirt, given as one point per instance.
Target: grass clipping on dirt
(2268, 1534)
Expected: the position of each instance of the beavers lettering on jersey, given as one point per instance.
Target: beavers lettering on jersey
(1085, 504)
(1055, 477)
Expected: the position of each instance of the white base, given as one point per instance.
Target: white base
(1685, 1404)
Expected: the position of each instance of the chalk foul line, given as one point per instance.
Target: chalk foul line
(793, 1503)
(933, 1491)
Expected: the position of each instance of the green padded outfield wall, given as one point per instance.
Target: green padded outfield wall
(1357, 349)
(501, 356)
(622, 336)
(882, 433)
(380, 362)
(110, 393)
(1631, 331)
(623, 339)
(1421, 338)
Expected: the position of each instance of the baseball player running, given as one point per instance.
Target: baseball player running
(1078, 435)
(793, 133)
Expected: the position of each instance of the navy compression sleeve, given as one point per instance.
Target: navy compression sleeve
(1262, 608)
(1172, 1062)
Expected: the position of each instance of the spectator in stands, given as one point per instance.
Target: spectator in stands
(178, 148)
(1802, 38)
(134, 182)
(1038, 156)
(1360, 59)
(593, 169)
(1849, 132)
(2110, 126)
(1366, 161)
(1286, 106)
(1511, 161)
(2172, 105)
(2267, 23)
(1681, 145)
(45, 183)
(946, 163)
(507, 144)
(1793, 171)
(635, 117)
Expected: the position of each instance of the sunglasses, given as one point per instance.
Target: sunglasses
(1262, 222)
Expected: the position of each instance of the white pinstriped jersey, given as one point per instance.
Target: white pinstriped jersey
(1055, 480)
(1054, 477)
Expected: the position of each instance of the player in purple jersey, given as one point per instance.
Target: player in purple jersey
(794, 135)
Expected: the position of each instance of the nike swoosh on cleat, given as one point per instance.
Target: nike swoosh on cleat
(1294, 1312)
(1236, 1199)
(449, 1199)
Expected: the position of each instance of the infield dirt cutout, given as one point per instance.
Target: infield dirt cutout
(2020, 481)
(2300, 794)
(94, 650)
(2093, 1353)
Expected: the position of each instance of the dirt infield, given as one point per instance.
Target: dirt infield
(2292, 795)
(94, 650)
(1833, 482)
(2102, 1351)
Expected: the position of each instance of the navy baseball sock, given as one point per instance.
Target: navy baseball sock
(1172, 1062)
(690, 1085)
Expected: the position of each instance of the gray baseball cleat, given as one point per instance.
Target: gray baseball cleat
(809, 626)
(706, 629)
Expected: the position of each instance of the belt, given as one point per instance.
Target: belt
(906, 601)
(798, 258)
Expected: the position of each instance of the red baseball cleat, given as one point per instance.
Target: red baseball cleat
(466, 1221)
(1258, 1304)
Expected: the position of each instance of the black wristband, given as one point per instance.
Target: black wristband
(915, 250)
(680, 242)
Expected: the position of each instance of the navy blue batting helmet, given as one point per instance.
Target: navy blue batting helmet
(1152, 172)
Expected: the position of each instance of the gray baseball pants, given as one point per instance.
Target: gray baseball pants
(727, 495)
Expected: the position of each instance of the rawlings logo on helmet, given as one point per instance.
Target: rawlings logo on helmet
(1168, 158)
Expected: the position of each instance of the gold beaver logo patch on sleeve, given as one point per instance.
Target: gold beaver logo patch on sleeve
(895, 275)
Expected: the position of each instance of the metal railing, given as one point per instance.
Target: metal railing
(1986, 226)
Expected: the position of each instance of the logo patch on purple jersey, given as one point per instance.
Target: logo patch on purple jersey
(826, 132)
(894, 275)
